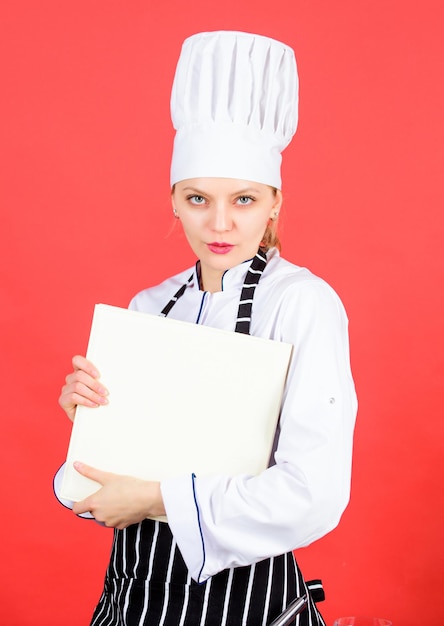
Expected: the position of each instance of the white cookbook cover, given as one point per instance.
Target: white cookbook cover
(183, 398)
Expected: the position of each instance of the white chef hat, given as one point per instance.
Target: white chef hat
(234, 107)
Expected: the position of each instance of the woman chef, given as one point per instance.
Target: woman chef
(225, 555)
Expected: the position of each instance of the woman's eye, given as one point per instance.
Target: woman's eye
(196, 199)
(244, 200)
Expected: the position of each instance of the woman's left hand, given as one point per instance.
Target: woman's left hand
(122, 500)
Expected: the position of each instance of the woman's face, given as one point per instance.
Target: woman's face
(224, 220)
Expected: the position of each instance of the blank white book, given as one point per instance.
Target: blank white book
(183, 398)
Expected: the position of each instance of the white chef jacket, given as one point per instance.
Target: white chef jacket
(223, 521)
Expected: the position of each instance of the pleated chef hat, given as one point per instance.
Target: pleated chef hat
(234, 107)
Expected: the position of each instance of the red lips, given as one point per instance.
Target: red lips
(220, 247)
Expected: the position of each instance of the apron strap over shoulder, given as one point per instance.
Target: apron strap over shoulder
(179, 293)
(252, 279)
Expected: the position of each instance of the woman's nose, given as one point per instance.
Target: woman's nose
(221, 219)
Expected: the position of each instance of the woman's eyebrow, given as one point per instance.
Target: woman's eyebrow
(242, 192)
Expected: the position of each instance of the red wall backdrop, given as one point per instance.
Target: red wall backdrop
(85, 218)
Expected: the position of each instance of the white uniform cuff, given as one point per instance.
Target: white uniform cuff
(183, 517)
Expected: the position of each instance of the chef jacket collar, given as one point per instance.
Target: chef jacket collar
(233, 278)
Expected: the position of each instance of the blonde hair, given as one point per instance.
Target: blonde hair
(271, 238)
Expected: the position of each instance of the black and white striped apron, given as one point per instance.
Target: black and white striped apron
(147, 582)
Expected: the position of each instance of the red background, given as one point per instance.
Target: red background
(85, 218)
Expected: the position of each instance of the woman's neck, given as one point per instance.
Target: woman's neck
(210, 281)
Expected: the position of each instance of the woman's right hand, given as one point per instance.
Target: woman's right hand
(82, 387)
